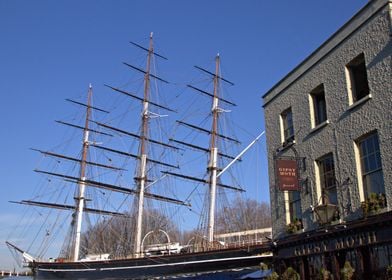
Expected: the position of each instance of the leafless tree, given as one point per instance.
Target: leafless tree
(115, 235)
(244, 214)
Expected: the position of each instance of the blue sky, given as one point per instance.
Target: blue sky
(52, 50)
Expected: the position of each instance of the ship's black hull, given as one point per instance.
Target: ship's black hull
(145, 268)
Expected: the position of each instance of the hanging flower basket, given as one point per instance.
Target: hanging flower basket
(295, 226)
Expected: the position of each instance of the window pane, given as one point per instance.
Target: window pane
(366, 164)
(358, 76)
(363, 150)
(295, 205)
(321, 110)
(378, 159)
(374, 182)
(332, 196)
(369, 145)
(294, 195)
(297, 209)
(372, 162)
(370, 153)
(383, 256)
(288, 128)
(319, 105)
(327, 179)
(372, 175)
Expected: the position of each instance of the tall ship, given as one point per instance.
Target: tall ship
(119, 227)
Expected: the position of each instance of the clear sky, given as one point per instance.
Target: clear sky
(52, 50)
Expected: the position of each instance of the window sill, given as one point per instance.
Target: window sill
(319, 126)
(285, 145)
(296, 232)
(376, 212)
(360, 102)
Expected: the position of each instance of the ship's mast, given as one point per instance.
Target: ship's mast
(141, 179)
(80, 199)
(72, 248)
(213, 165)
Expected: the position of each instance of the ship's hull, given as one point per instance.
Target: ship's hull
(144, 268)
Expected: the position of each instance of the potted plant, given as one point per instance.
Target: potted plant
(325, 274)
(273, 276)
(373, 204)
(389, 271)
(290, 274)
(294, 226)
(347, 272)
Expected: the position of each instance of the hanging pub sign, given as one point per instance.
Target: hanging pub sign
(287, 174)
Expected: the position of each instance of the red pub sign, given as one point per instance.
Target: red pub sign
(287, 174)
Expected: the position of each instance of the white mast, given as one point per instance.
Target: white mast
(213, 165)
(143, 155)
(80, 200)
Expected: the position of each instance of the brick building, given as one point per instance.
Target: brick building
(329, 136)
